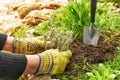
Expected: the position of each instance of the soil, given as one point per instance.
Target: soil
(93, 54)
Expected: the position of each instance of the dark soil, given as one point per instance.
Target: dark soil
(94, 54)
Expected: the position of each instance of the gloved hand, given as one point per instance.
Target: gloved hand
(30, 45)
(53, 61)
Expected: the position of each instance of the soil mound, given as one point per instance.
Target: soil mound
(94, 54)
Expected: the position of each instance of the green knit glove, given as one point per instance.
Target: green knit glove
(30, 45)
(53, 61)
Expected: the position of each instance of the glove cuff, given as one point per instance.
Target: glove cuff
(46, 63)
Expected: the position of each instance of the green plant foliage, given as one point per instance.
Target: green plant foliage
(39, 30)
(116, 63)
(74, 16)
(115, 1)
(42, 29)
(107, 21)
(21, 31)
(102, 73)
(106, 16)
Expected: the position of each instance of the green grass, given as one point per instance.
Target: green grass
(39, 30)
(74, 16)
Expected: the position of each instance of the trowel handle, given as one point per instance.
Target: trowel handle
(93, 4)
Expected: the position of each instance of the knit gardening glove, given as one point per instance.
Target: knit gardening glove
(53, 61)
(30, 45)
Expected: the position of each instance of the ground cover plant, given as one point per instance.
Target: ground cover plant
(86, 59)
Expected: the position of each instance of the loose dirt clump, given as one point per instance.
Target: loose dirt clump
(94, 54)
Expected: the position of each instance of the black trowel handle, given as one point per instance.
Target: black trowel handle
(93, 10)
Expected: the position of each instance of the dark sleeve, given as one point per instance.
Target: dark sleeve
(11, 66)
(2, 40)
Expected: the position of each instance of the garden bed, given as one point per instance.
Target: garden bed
(92, 54)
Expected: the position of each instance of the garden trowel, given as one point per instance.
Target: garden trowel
(91, 35)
